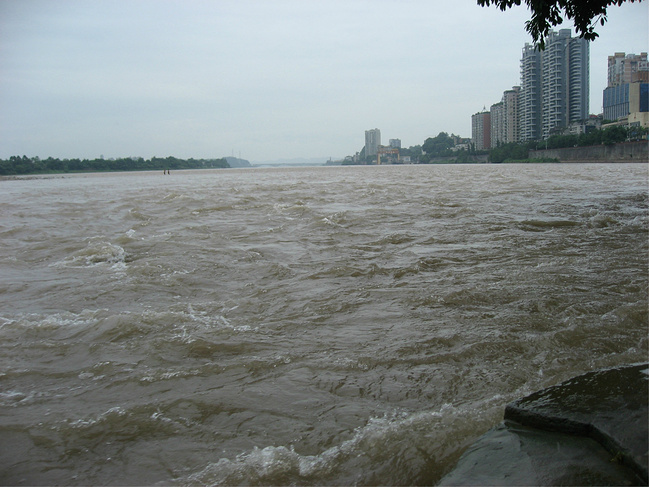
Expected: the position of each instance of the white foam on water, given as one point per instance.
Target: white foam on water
(64, 319)
(381, 437)
(97, 252)
(13, 398)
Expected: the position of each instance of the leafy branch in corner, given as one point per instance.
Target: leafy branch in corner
(545, 14)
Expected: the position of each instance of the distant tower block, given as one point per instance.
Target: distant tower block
(372, 142)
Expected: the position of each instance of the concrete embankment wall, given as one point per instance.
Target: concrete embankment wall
(623, 152)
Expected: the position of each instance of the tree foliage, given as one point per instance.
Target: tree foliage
(545, 14)
(511, 152)
(414, 152)
(33, 165)
(438, 146)
(608, 136)
(440, 143)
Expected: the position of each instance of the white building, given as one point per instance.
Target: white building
(372, 142)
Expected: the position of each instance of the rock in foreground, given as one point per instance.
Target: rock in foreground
(589, 430)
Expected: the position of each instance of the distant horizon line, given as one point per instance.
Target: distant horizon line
(264, 161)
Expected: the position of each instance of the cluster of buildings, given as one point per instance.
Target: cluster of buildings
(552, 98)
(554, 92)
(386, 154)
(626, 98)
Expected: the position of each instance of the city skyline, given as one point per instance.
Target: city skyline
(265, 81)
(554, 94)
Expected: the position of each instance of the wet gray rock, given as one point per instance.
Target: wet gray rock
(589, 430)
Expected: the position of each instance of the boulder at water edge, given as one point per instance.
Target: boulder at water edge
(589, 430)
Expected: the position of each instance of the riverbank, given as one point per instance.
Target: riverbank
(636, 151)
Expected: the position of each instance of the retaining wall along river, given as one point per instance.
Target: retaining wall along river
(623, 152)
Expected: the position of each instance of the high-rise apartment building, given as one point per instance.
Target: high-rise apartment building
(512, 114)
(505, 120)
(554, 81)
(395, 143)
(372, 142)
(481, 130)
(564, 81)
(578, 80)
(530, 94)
(497, 119)
(554, 85)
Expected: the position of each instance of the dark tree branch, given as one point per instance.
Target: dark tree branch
(545, 14)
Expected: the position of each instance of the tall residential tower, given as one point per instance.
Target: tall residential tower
(578, 80)
(372, 142)
(505, 125)
(554, 85)
(530, 94)
(511, 104)
(481, 130)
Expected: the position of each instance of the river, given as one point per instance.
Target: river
(303, 325)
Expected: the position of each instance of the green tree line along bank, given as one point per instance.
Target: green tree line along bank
(608, 136)
(441, 145)
(16, 165)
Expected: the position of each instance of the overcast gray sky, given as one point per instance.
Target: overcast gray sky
(264, 79)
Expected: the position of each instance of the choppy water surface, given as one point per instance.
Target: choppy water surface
(332, 325)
